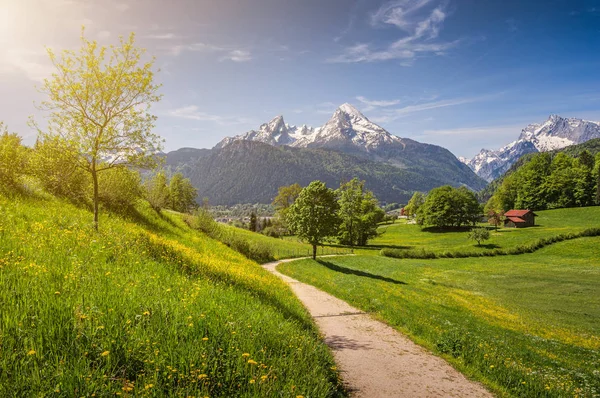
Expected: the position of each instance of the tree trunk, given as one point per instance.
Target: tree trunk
(314, 252)
(95, 179)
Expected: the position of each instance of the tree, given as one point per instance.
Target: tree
(286, 196)
(182, 194)
(157, 191)
(359, 213)
(449, 207)
(414, 203)
(99, 101)
(13, 157)
(479, 235)
(253, 224)
(313, 216)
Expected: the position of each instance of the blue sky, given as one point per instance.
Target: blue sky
(464, 74)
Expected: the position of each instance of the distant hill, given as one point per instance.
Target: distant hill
(251, 172)
(592, 146)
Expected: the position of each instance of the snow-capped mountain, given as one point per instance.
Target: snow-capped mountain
(555, 133)
(276, 132)
(351, 132)
(347, 127)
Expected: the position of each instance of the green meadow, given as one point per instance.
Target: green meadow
(525, 325)
(145, 307)
(549, 223)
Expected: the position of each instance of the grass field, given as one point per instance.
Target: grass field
(145, 307)
(548, 223)
(526, 325)
(285, 247)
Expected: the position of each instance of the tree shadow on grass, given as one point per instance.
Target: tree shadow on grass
(490, 246)
(355, 272)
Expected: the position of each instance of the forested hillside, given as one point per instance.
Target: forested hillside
(247, 171)
(592, 146)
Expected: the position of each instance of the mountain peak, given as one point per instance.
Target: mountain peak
(350, 110)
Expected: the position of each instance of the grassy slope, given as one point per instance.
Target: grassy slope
(549, 223)
(526, 325)
(147, 307)
(287, 247)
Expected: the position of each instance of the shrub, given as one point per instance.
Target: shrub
(51, 162)
(13, 158)
(119, 188)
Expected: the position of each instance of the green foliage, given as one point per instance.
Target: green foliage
(157, 191)
(449, 207)
(149, 309)
(359, 213)
(514, 323)
(479, 235)
(417, 200)
(13, 159)
(253, 226)
(182, 194)
(99, 102)
(592, 147)
(120, 188)
(313, 216)
(286, 196)
(548, 182)
(54, 164)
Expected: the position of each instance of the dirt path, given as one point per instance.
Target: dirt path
(374, 359)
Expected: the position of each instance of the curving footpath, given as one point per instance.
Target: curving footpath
(374, 359)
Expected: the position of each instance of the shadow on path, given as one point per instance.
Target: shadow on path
(345, 343)
(350, 271)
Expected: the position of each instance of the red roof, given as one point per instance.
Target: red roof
(518, 213)
(515, 219)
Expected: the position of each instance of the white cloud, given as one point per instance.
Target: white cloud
(192, 112)
(226, 54)
(420, 23)
(373, 104)
(103, 34)
(162, 36)
(237, 56)
(387, 115)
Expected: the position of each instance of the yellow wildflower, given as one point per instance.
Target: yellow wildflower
(105, 353)
(31, 352)
(205, 338)
(252, 362)
(245, 355)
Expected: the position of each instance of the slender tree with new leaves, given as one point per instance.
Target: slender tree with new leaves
(99, 102)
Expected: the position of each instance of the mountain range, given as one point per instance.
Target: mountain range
(555, 133)
(251, 166)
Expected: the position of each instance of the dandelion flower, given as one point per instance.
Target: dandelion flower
(204, 338)
(245, 355)
(31, 352)
(57, 293)
(146, 313)
(252, 362)
(252, 381)
(105, 353)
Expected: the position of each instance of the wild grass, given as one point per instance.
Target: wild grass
(145, 307)
(526, 325)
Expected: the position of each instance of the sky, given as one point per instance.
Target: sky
(463, 74)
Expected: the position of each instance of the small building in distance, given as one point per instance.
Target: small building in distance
(519, 219)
